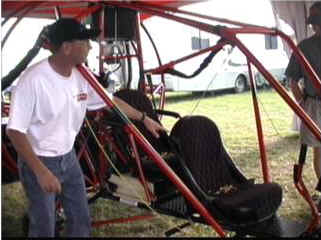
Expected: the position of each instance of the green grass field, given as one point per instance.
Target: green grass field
(234, 115)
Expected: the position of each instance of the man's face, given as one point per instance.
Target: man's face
(313, 12)
(317, 29)
(80, 50)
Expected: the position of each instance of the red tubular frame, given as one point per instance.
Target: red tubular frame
(140, 168)
(265, 168)
(300, 186)
(122, 220)
(230, 35)
(84, 153)
(10, 163)
(171, 64)
(131, 129)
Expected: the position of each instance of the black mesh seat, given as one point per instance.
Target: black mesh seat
(214, 178)
(142, 103)
(250, 204)
(202, 162)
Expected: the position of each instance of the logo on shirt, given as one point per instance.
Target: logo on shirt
(82, 97)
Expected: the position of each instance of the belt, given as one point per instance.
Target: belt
(314, 97)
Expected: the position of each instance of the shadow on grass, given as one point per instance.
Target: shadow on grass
(12, 226)
(13, 210)
(188, 96)
(282, 145)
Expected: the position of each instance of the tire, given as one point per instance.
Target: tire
(259, 81)
(240, 84)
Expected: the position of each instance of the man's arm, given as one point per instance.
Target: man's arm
(153, 126)
(47, 181)
(296, 90)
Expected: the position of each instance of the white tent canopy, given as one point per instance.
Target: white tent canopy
(295, 14)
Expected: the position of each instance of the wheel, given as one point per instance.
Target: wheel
(240, 84)
(259, 81)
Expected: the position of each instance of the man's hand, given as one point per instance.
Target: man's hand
(48, 182)
(296, 90)
(153, 126)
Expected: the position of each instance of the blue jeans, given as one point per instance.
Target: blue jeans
(42, 205)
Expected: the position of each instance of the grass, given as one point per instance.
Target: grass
(234, 115)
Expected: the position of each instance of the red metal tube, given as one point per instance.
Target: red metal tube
(315, 221)
(117, 57)
(88, 11)
(83, 152)
(140, 169)
(162, 68)
(122, 220)
(141, 84)
(162, 86)
(264, 164)
(9, 162)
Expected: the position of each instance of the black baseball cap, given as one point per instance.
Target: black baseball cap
(69, 29)
(315, 14)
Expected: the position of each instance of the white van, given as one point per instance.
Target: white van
(228, 69)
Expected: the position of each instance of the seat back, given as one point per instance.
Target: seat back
(142, 103)
(201, 147)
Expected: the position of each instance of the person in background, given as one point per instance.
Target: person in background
(47, 110)
(309, 97)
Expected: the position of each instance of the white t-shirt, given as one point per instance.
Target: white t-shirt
(50, 108)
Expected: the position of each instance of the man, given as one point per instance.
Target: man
(47, 110)
(309, 97)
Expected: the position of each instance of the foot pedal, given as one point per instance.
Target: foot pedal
(176, 229)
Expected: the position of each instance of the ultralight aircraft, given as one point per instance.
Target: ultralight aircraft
(180, 174)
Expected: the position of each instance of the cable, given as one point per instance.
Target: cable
(215, 75)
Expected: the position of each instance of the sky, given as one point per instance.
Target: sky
(257, 12)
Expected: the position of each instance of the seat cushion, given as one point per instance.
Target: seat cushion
(251, 203)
